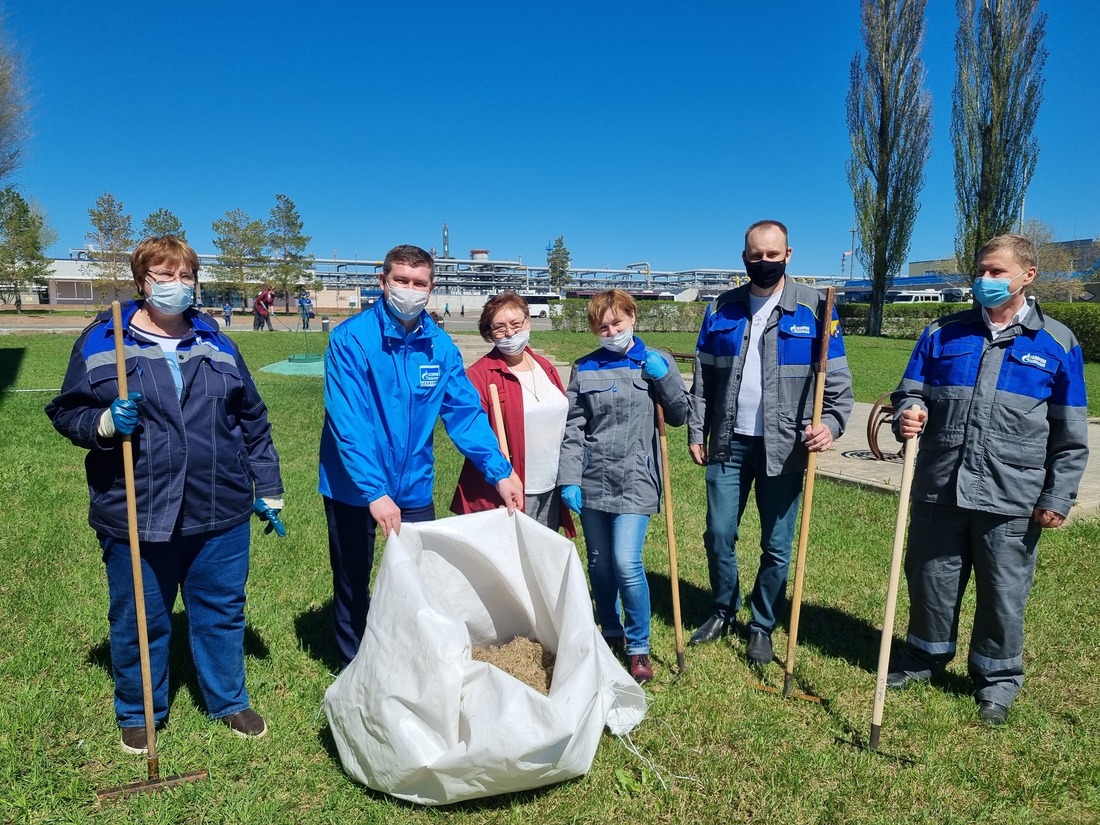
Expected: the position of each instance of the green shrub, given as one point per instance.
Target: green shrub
(653, 316)
(898, 320)
(1084, 320)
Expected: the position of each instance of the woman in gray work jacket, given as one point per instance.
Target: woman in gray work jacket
(610, 468)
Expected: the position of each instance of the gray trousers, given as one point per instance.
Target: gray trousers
(545, 508)
(945, 545)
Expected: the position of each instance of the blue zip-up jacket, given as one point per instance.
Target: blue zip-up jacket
(200, 459)
(791, 339)
(384, 390)
(611, 448)
(1007, 427)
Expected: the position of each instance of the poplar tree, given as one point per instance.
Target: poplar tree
(998, 91)
(890, 128)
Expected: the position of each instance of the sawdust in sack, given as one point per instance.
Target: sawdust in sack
(416, 716)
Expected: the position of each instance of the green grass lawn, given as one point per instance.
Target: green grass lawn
(713, 749)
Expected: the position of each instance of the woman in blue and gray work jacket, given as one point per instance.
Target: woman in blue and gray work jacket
(610, 467)
(203, 462)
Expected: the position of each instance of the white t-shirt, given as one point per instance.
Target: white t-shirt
(544, 411)
(750, 410)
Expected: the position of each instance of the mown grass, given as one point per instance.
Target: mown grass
(715, 748)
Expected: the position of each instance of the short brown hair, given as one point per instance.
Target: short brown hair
(613, 299)
(760, 224)
(161, 249)
(505, 300)
(408, 255)
(1021, 248)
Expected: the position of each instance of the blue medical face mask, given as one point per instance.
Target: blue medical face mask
(171, 298)
(992, 292)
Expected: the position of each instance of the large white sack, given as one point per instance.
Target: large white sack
(414, 716)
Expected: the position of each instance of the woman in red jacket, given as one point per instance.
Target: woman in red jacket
(533, 406)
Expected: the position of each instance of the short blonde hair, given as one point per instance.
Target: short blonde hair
(1020, 247)
(161, 249)
(613, 299)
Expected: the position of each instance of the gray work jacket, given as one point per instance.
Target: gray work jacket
(611, 448)
(792, 340)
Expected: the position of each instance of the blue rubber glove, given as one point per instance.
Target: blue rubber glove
(263, 509)
(124, 413)
(655, 366)
(571, 495)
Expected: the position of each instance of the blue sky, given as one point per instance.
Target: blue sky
(640, 131)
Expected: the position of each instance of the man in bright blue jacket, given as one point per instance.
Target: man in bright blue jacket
(390, 372)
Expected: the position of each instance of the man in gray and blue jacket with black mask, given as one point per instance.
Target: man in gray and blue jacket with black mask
(752, 405)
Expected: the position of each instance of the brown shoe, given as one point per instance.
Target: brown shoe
(640, 668)
(246, 723)
(135, 741)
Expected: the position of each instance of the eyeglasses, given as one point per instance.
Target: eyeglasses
(167, 277)
(506, 330)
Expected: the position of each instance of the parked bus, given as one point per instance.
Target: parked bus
(542, 304)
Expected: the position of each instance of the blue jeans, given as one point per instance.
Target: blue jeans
(777, 498)
(210, 570)
(351, 530)
(614, 542)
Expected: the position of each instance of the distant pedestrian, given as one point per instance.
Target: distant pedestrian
(305, 309)
(227, 313)
(462, 311)
(261, 309)
(446, 310)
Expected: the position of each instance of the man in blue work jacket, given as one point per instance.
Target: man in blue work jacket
(390, 373)
(999, 394)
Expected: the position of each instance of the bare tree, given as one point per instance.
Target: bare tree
(13, 109)
(890, 127)
(998, 91)
(1056, 281)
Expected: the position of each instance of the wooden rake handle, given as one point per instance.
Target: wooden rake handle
(135, 551)
(808, 492)
(670, 532)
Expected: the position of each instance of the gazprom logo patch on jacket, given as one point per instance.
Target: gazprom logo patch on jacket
(1034, 360)
(429, 375)
(800, 329)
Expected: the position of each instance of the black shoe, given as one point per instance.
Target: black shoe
(713, 629)
(991, 713)
(901, 679)
(760, 648)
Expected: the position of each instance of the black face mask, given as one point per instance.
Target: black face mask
(764, 274)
